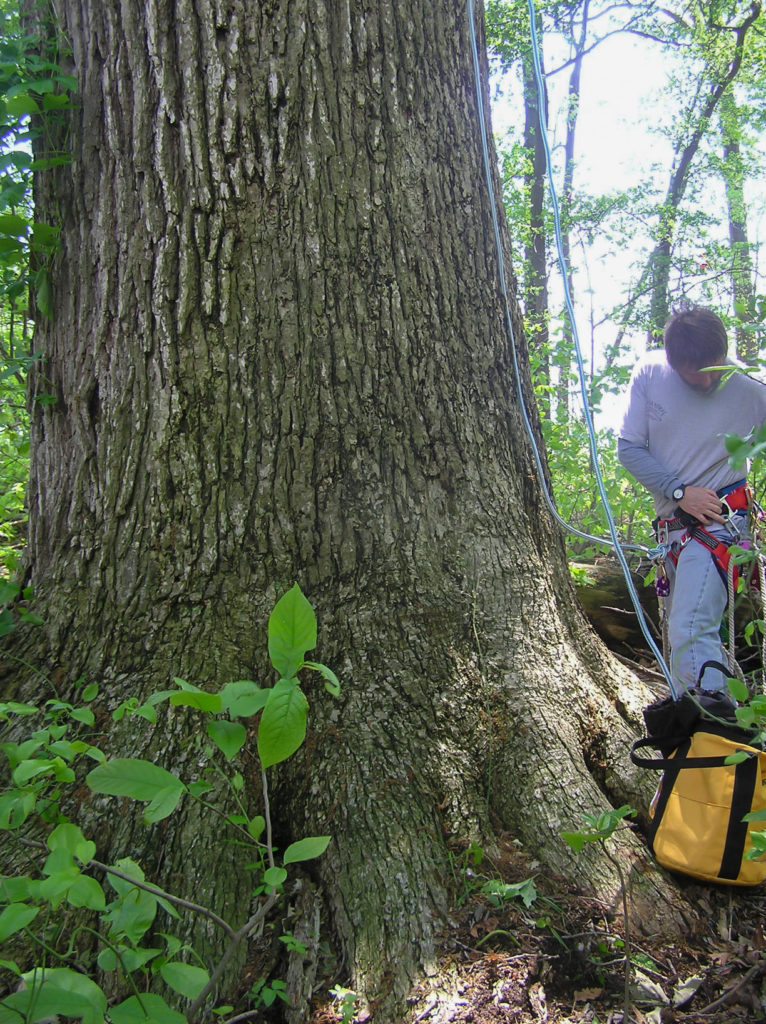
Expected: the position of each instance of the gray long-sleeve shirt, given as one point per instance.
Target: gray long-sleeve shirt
(672, 435)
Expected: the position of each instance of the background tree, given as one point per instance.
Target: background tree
(720, 45)
(277, 352)
(733, 173)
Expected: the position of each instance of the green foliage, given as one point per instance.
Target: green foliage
(499, 893)
(34, 96)
(346, 998)
(47, 757)
(14, 470)
(598, 827)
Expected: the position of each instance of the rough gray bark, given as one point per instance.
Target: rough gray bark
(278, 353)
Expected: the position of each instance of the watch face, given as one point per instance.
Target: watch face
(678, 493)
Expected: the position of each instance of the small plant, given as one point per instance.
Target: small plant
(599, 829)
(62, 872)
(465, 872)
(264, 993)
(500, 893)
(346, 999)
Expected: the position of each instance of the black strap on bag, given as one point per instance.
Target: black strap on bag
(670, 723)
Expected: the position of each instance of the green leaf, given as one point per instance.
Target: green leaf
(184, 978)
(332, 684)
(20, 106)
(12, 224)
(306, 849)
(199, 699)
(256, 825)
(129, 959)
(56, 102)
(576, 840)
(755, 816)
(292, 632)
(44, 235)
(133, 912)
(13, 707)
(15, 808)
(738, 690)
(132, 777)
(8, 591)
(84, 715)
(31, 769)
(199, 787)
(737, 758)
(90, 692)
(243, 698)
(60, 990)
(282, 728)
(274, 876)
(15, 917)
(163, 804)
(229, 737)
(69, 837)
(157, 1011)
(86, 892)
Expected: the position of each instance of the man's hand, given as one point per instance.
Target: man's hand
(703, 504)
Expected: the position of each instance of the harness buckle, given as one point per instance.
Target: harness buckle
(729, 522)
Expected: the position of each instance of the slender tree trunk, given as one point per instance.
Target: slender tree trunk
(658, 269)
(573, 110)
(733, 171)
(536, 311)
(278, 353)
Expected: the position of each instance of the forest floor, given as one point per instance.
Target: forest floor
(560, 961)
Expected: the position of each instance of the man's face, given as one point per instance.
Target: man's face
(704, 381)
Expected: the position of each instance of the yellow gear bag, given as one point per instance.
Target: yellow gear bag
(697, 813)
(696, 817)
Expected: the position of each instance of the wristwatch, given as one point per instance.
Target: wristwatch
(679, 492)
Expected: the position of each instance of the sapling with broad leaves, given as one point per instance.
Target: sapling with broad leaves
(64, 874)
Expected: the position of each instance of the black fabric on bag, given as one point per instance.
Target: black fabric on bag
(742, 798)
(669, 722)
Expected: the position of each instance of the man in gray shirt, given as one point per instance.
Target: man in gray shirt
(672, 441)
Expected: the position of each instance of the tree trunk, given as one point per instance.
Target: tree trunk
(733, 173)
(658, 268)
(278, 353)
(573, 110)
(536, 311)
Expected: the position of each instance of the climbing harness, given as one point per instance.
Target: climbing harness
(737, 503)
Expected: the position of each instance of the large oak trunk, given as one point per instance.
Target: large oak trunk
(278, 354)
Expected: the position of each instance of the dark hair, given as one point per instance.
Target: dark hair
(694, 338)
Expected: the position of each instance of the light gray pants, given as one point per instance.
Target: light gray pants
(695, 607)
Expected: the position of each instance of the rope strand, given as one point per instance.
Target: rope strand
(614, 542)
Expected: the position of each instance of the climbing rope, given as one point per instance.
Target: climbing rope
(761, 565)
(732, 651)
(619, 549)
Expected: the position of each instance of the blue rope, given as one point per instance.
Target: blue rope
(615, 541)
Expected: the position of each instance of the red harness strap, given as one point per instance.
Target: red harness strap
(717, 548)
(720, 552)
(738, 500)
